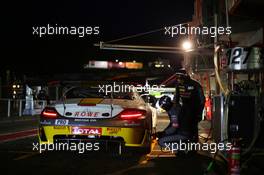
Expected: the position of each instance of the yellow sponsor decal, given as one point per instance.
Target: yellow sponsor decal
(60, 127)
(113, 130)
(90, 101)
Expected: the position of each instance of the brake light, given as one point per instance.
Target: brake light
(132, 114)
(49, 113)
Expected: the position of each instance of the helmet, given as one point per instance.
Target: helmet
(165, 102)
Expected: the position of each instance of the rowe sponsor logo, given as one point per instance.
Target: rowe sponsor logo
(86, 114)
(88, 131)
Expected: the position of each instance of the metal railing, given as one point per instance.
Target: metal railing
(20, 107)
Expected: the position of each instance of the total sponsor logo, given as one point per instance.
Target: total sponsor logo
(87, 131)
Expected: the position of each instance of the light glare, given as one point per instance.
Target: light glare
(187, 45)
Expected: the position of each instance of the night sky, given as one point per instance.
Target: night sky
(25, 53)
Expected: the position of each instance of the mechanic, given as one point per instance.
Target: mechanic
(185, 111)
(173, 111)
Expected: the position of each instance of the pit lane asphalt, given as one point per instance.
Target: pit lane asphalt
(17, 157)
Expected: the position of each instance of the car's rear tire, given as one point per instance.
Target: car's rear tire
(136, 150)
(139, 150)
(145, 150)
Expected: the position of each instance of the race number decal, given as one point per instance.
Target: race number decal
(61, 122)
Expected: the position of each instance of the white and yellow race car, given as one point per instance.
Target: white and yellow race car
(87, 115)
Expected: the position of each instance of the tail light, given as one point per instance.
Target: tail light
(132, 114)
(49, 113)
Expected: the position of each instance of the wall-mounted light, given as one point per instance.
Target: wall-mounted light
(187, 45)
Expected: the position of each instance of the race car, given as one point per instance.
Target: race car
(84, 114)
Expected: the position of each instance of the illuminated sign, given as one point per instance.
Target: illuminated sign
(134, 65)
(113, 65)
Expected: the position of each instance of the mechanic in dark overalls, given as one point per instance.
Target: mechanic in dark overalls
(185, 111)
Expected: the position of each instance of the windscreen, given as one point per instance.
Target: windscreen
(79, 92)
